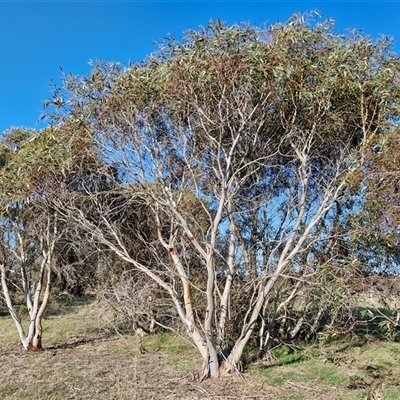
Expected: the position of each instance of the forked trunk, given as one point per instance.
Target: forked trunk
(209, 354)
(35, 345)
(36, 341)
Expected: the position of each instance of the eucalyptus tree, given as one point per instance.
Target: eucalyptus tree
(375, 238)
(32, 166)
(265, 127)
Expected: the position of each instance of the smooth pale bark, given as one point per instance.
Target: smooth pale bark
(225, 298)
(35, 328)
(11, 310)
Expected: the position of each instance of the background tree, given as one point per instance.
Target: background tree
(33, 164)
(375, 240)
(266, 128)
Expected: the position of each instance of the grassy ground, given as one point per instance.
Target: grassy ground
(84, 359)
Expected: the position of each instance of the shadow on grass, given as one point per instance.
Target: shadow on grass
(106, 336)
(62, 304)
(59, 304)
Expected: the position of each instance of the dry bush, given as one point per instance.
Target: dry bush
(136, 304)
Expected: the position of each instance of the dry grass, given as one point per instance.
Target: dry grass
(85, 360)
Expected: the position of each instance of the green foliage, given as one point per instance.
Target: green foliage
(375, 227)
(305, 77)
(37, 163)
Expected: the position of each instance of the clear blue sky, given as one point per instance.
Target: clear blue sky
(37, 38)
